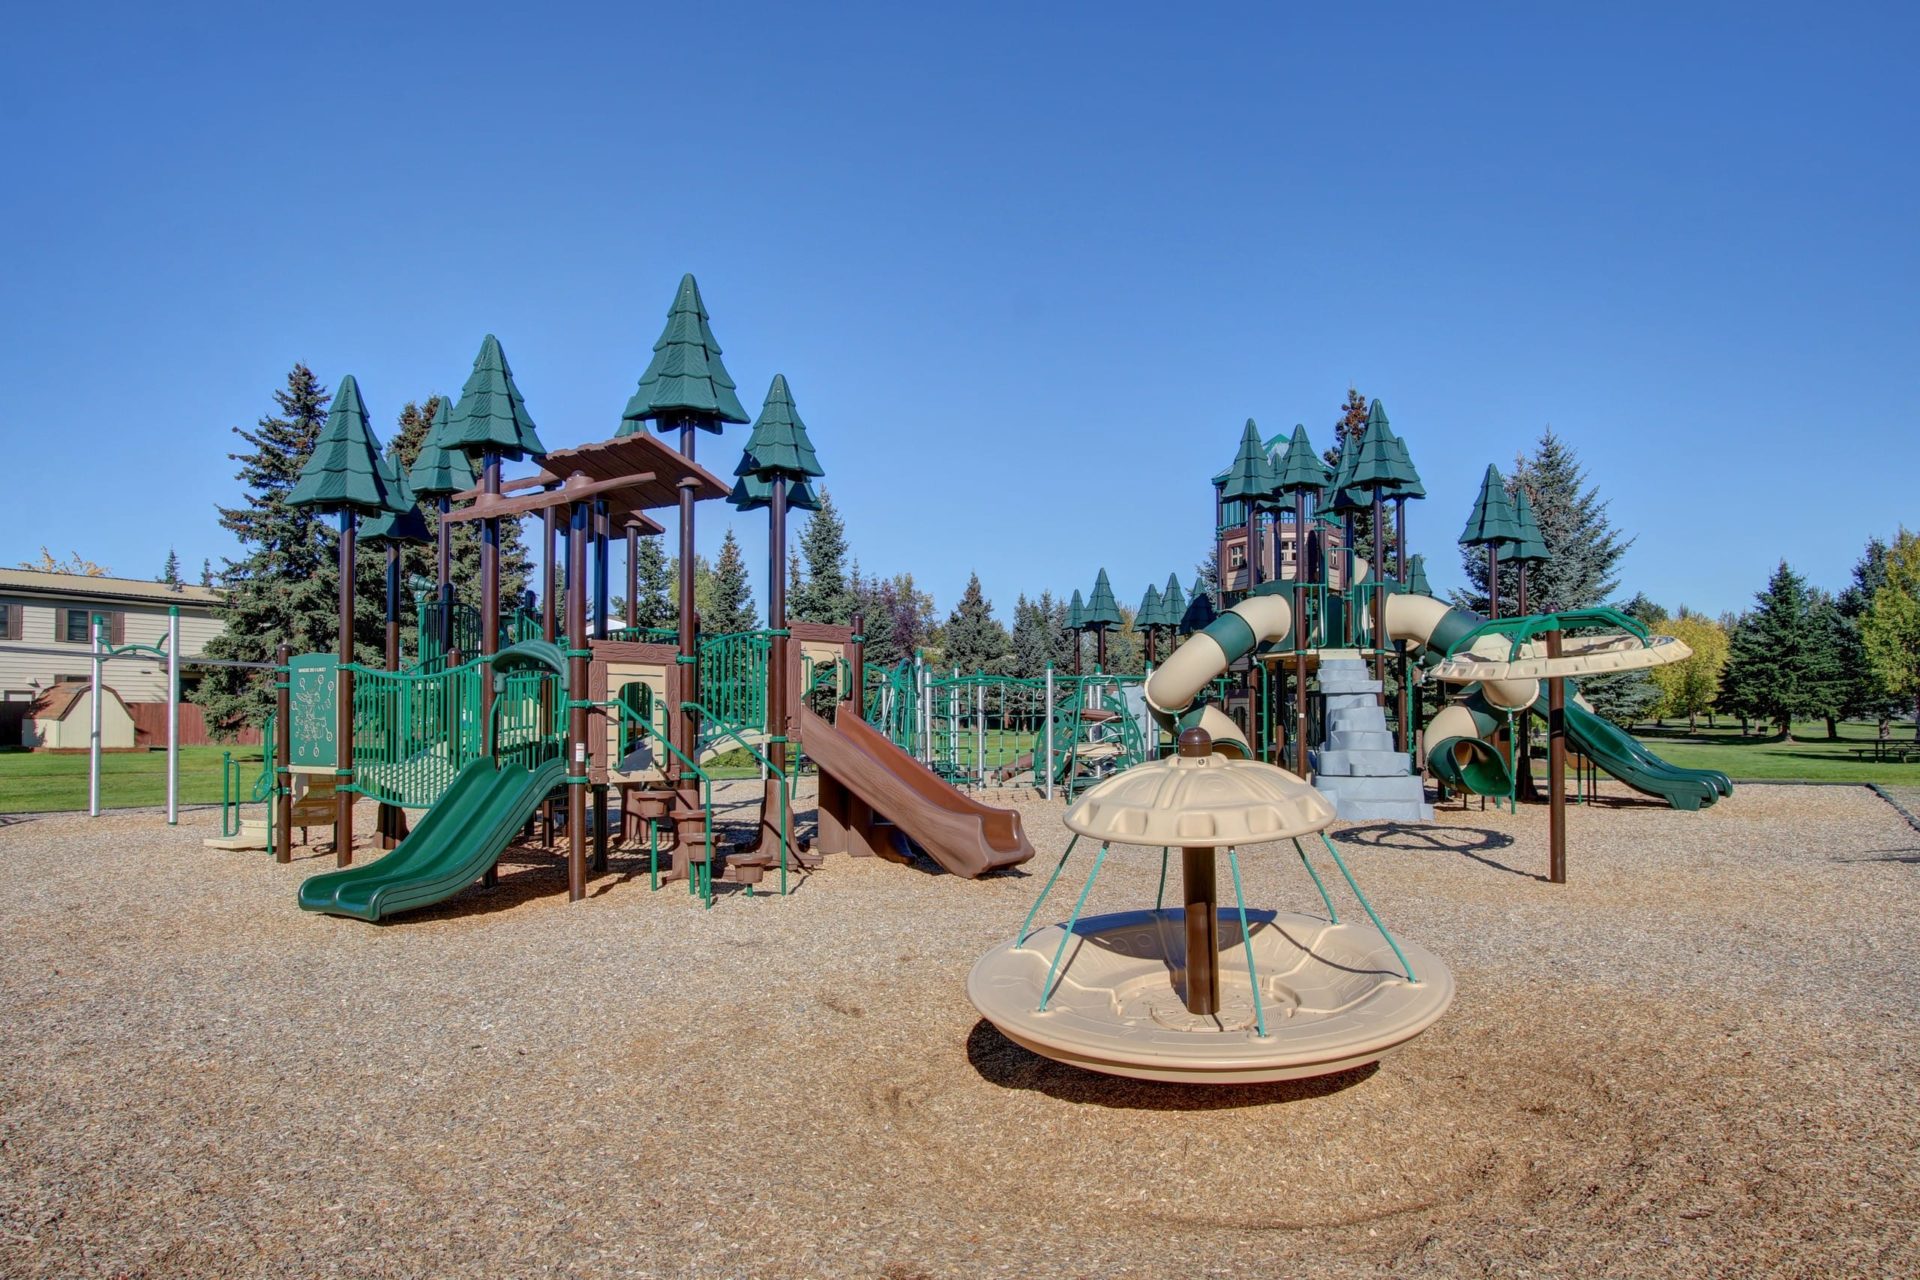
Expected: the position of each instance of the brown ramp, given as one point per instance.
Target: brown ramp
(964, 836)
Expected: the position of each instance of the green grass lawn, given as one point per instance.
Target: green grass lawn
(40, 782)
(1810, 757)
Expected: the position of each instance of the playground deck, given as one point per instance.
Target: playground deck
(1695, 1058)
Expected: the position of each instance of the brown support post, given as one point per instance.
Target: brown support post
(549, 580)
(633, 575)
(685, 724)
(443, 556)
(577, 713)
(1300, 631)
(1493, 580)
(283, 755)
(1100, 647)
(857, 667)
(1556, 768)
(391, 819)
(1202, 915)
(778, 828)
(489, 582)
(343, 702)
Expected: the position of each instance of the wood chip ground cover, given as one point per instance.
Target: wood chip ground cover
(1698, 1058)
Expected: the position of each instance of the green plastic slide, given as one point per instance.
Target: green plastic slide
(457, 842)
(1622, 755)
(1470, 764)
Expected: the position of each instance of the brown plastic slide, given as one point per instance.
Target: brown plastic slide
(862, 774)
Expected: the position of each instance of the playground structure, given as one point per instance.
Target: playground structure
(503, 715)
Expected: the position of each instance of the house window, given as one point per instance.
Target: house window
(1237, 556)
(6, 622)
(77, 622)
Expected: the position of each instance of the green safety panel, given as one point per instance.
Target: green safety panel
(313, 705)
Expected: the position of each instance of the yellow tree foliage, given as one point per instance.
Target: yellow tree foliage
(1890, 629)
(74, 563)
(1689, 688)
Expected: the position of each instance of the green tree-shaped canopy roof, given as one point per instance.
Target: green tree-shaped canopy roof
(491, 416)
(1148, 614)
(403, 525)
(1102, 609)
(685, 378)
(1173, 602)
(1300, 467)
(1251, 474)
(1381, 461)
(1076, 620)
(440, 468)
(779, 442)
(1409, 485)
(751, 492)
(1199, 611)
(1417, 575)
(1531, 546)
(1342, 493)
(1492, 520)
(345, 471)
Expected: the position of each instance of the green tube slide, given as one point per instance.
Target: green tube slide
(456, 843)
(1470, 764)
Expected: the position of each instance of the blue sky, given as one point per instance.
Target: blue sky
(1027, 269)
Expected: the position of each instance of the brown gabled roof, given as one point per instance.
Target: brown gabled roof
(80, 585)
(55, 703)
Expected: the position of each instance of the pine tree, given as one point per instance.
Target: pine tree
(1771, 656)
(1583, 547)
(828, 595)
(1126, 647)
(899, 618)
(282, 589)
(1867, 693)
(1890, 631)
(206, 571)
(974, 641)
(1351, 425)
(654, 574)
(732, 607)
(170, 572)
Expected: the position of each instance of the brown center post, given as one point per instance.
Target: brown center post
(343, 706)
(1556, 768)
(1201, 909)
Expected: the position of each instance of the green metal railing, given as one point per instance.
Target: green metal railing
(234, 791)
(414, 731)
(733, 679)
(699, 874)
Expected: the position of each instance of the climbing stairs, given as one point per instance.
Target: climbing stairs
(1357, 767)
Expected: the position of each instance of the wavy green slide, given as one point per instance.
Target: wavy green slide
(457, 842)
(1626, 758)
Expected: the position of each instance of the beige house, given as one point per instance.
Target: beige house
(45, 639)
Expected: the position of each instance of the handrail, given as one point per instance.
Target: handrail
(785, 808)
(704, 881)
(1525, 628)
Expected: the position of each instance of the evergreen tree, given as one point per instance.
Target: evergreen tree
(1207, 573)
(732, 608)
(282, 589)
(1583, 547)
(654, 607)
(170, 572)
(1126, 647)
(1770, 672)
(1648, 613)
(516, 565)
(828, 595)
(1347, 430)
(206, 571)
(974, 641)
(1867, 693)
(1890, 631)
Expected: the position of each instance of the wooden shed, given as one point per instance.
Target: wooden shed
(61, 719)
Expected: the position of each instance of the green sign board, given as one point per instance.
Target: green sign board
(313, 700)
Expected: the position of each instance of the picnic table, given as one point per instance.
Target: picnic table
(1895, 752)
